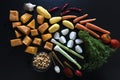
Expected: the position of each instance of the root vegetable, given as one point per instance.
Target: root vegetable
(68, 24)
(94, 27)
(72, 35)
(70, 43)
(65, 31)
(55, 19)
(68, 17)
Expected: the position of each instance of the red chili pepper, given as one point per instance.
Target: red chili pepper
(53, 9)
(65, 6)
(75, 9)
(65, 12)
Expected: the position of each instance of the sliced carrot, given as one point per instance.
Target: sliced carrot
(87, 20)
(80, 18)
(94, 27)
(79, 26)
(68, 17)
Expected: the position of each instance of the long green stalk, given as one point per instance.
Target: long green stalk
(66, 48)
(57, 48)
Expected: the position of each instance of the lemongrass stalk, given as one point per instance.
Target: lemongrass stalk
(66, 48)
(57, 48)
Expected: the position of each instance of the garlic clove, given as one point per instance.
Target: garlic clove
(65, 31)
(56, 35)
(78, 41)
(72, 35)
(78, 49)
(70, 43)
(62, 39)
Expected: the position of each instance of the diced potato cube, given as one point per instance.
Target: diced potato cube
(42, 28)
(31, 50)
(34, 32)
(25, 17)
(14, 15)
(27, 40)
(15, 24)
(17, 34)
(46, 37)
(40, 19)
(15, 42)
(48, 46)
(24, 29)
(37, 41)
(32, 24)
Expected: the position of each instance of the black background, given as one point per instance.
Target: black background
(16, 65)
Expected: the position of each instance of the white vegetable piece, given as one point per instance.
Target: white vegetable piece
(29, 7)
(72, 35)
(78, 49)
(65, 31)
(70, 43)
(56, 35)
(62, 39)
(78, 41)
(57, 69)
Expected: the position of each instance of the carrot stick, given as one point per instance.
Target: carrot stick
(79, 26)
(94, 27)
(87, 20)
(68, 17)
(80, 18)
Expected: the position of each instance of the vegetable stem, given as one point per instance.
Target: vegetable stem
(66, 48)
(57, 48)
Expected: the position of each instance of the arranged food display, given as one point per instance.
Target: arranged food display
(82, 45)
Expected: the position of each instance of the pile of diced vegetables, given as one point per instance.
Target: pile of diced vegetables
(84, 44)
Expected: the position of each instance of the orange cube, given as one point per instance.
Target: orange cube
(37, 41)
(27, 40)
(15, 42)
(14, 15)
(15, 24)
(42, 28)
(31, 50)
(34, 32)
(25, 17)
(48, 46)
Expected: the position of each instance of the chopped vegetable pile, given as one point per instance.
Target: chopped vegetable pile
(81, 44)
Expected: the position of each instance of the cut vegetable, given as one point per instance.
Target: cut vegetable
(48, 46)
(40, 19)
(55, 19)
(32, 24)
(65, 32)
(42, 11)
(15, 42)
(46, 37)
(72, 35)
(25, 17)
(37, 41)
(31, 50)
(68, 24)
(17, 34)
(67, 49)
(24, 29)
(57, 48)
(56, 35)
(78, 41)
(54, 28)
(27, 40)
(70, 43)
(34, 32)
(14, 15)
(15, 24)
(78, 49)
(62, 39)
(42, 28)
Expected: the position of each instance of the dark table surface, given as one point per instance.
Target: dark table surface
(16, 65)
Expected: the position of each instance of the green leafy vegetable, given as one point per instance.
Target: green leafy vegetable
(96, 53)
